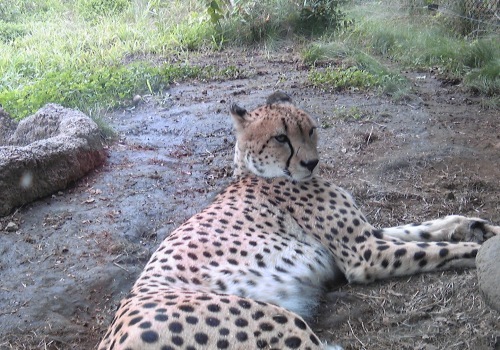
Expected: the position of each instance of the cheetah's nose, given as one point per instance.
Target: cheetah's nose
(310, 164)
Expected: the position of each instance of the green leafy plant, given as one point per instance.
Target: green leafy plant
(317, 16)
(216, 10)
(339, 78)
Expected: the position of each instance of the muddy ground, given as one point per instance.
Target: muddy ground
(76, 253)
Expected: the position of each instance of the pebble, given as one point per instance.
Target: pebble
(488, 272)
(11, 227)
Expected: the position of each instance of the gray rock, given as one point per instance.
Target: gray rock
(488, 271)
(11, 227)
(45, 153)
(7, 126)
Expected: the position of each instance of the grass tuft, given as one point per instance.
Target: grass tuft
(422, 42)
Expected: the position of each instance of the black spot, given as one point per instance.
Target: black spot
(419, 255)
(161, 318)
(293, 342)
(443, 252)
(400, 252)
(241, 322)
(221, 285)
(261, 344)
(367, 254)
(385, 263)
(123, 338)
(299, 323)
(176, 327)
(145, 325)
(396, 264)
(222, 344)
(266, 327)
(135, 320)
(257, 315)
(377, 234)
(149, 337)
(280, 319)
(177, 340)
(244, 304)
(224, 331)
(212, 322)
(201, 338)
(234, 311)
(382, 247)
(241, 336)
(213, 308)
(232, 261)
(425, 235)
(186, 308)
(149, 305)
(314, 339)
(423, 245)
(360, 239)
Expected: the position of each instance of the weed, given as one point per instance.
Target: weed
(15, 10)
(341, 79)
(94, 9)
(423, 42)
(89, 87)
(485, 80)
(317, 16)
(354, 113)
(256, 21)
(191, 34)
(355, 69)
(11, 31)
(319, 53)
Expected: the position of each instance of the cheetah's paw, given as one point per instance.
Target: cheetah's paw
(474, 230)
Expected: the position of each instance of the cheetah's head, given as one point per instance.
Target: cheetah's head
(275, 140)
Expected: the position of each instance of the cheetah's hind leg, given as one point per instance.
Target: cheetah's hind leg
(453, 228)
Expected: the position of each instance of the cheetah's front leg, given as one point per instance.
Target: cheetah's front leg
(454, 228)
(385, 259)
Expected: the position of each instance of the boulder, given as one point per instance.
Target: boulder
(7, 127)
(488, 272)
(44, 153)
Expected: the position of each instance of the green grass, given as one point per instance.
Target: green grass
(342, 67)
(421, 42)
(96, 52)
(89, 53)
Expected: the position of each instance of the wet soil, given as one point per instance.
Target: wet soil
(71, 257)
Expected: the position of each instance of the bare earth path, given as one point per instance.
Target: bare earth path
(74, 255)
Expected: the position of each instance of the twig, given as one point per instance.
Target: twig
(121, 267)
(355, 336)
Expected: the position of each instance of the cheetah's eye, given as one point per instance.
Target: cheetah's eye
(281, 138)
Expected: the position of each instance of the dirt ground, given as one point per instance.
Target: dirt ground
(73, 255)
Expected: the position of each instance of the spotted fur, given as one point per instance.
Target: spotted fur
(247, 271)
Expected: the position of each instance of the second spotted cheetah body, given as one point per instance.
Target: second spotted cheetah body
(247, 271)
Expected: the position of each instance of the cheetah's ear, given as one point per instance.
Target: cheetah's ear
(238, 111)
(239, 115)
(279, 97)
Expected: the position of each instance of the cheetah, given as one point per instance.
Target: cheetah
(249, 270)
